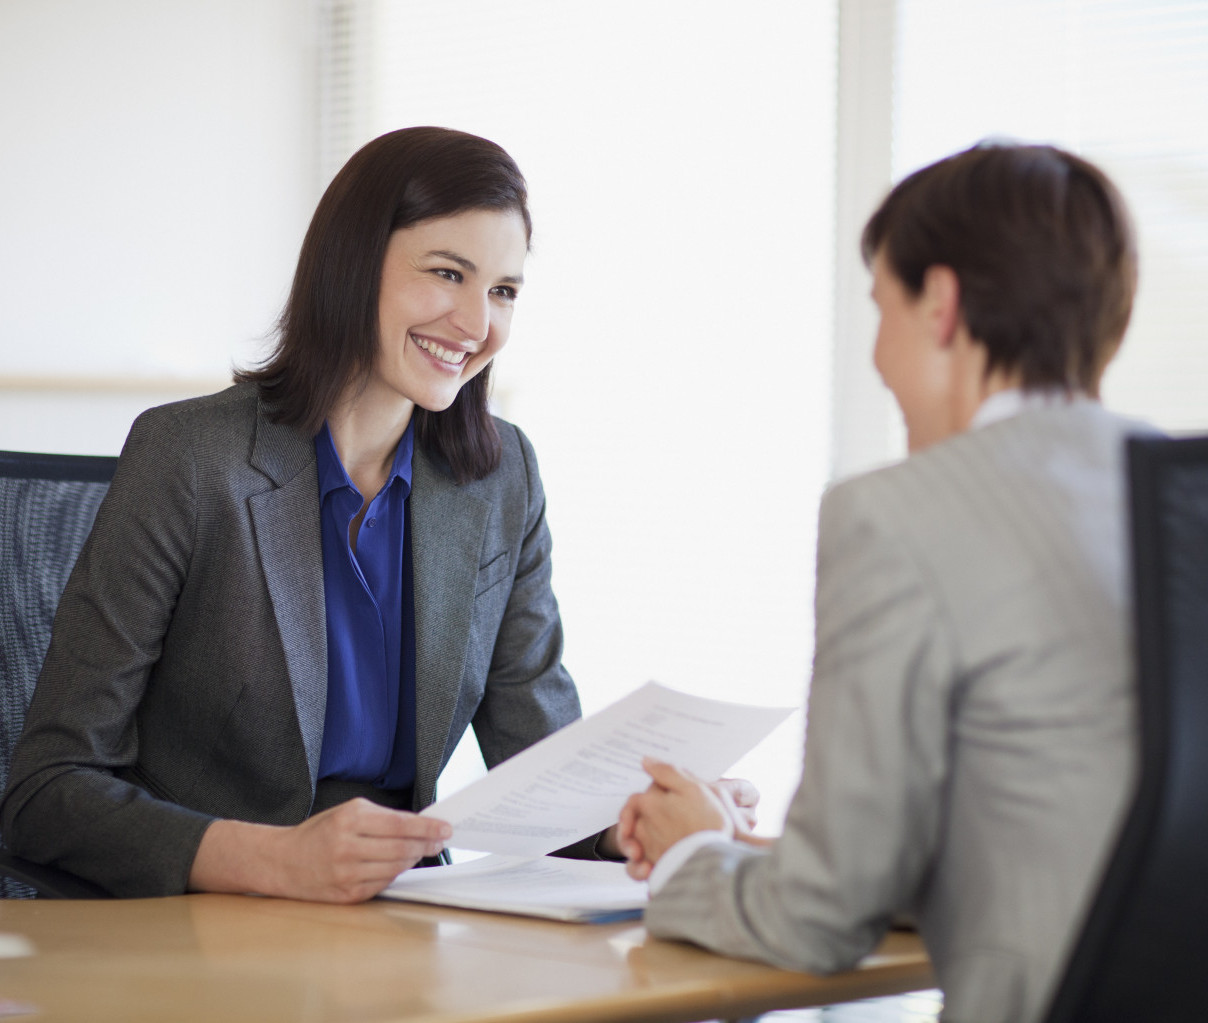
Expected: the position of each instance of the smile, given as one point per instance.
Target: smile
(439, 351)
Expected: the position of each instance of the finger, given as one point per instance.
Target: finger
(382, 822)
(383, 863)
(639, 870)
(664, 775)
(630, 847)
(634, 807)
(741, 791)
(398, 844)
(386, 854)
(739, 818)
(425, 828)
(625, 822)
(361, 888)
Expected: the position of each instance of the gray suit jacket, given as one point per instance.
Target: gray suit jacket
(970, 743)
(187, 672)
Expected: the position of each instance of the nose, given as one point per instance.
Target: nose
(472, 314)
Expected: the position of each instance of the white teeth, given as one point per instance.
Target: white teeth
(439, 351)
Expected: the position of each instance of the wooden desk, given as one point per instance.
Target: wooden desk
(236, 958)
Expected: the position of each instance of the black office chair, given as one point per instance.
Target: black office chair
(47, 505)
(1143, 950)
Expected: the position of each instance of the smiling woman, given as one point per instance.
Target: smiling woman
(301, 591)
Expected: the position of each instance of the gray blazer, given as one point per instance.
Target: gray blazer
(187, 672)
(971, 737)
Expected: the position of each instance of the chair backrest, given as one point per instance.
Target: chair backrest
(1143, 950)
(47, 506)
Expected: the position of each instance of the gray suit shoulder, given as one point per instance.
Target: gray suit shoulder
(1024, 447)
(515, 442)
(206, 409)
(212, 420)
(224, 434)
(517, 461)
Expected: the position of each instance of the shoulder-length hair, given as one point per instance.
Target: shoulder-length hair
(1042, 245)
(327, 335)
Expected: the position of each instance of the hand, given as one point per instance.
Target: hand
(352, 851)
(346, 854)
(675, 805)
(740, 798)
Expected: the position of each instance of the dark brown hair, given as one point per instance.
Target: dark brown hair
(1042, 245)
(327, 335)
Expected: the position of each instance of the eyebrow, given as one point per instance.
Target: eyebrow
(469, 265)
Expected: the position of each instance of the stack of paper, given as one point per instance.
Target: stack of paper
(584, 891)
(571, 785)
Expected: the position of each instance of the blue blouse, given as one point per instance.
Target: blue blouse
(369, 728)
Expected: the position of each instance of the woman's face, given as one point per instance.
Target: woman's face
(448, 288)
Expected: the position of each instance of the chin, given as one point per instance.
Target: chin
(435, 404)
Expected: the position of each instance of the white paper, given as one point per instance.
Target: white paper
(573, 783)
(545, 886)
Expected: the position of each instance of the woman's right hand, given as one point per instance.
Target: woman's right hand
(346, 854)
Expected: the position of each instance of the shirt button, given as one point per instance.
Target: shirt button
(371, 523)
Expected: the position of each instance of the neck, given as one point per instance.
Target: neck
(972, 383)
(366, 435)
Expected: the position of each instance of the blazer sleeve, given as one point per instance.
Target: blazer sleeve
(528, 693)
(864, 822)
(67, 802)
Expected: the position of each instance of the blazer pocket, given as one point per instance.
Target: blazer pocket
(493, 573)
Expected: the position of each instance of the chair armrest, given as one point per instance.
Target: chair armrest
(49, 882)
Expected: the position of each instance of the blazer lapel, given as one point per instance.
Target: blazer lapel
(447, 529)
(285, 522)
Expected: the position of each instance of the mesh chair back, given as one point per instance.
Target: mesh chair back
(47, 506)
(1143, 950)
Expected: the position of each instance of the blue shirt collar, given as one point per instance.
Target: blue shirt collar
(333, 476)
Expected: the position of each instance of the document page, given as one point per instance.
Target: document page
(573, 783)
(587, 891)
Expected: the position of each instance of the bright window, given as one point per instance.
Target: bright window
(1122, 82)
(692, 353)
(671, 353)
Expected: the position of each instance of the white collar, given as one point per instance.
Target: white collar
(1008, 403)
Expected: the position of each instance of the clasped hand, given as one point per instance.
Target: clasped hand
(352, 851)
(678, 804)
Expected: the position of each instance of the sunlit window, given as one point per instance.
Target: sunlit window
(1124, 83)
(670, 357)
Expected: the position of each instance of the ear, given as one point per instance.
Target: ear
(941, 299)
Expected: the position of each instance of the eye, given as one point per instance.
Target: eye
(448, 274)
(505, 291)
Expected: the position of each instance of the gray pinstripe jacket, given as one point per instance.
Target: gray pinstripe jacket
(971, 740)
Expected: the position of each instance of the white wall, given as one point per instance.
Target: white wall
(159, 168)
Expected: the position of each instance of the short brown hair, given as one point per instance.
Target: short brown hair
(327, 335)
(1042, 245)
